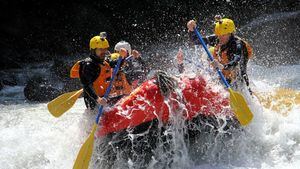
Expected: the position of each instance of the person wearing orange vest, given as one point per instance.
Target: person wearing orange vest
(135, 68)
(129, 75)
(230, 52)
(95, 71)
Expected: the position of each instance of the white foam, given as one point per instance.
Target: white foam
(32, 138)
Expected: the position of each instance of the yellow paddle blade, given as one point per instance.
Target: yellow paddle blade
(63, 103)
(240, 108)
(281, 100)
(86, 151)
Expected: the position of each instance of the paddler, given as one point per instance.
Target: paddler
(95, 71)
(230, 52)
(134, 68)
(131, 73)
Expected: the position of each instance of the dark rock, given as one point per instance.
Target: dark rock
(40, 89)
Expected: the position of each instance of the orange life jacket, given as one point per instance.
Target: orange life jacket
(101, 83)
(120, 85)
(222, 57)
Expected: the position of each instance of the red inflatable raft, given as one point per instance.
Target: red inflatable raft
(146, 103)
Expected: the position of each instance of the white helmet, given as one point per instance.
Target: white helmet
(123, 44)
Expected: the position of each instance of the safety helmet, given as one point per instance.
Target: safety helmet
(211, 50)
(224, 26)
(123, 44)
(99, 41)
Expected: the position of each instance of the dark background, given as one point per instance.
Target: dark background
(42, 30)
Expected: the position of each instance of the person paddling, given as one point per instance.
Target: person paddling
(231, 53)
(95, 71)
(131, 73)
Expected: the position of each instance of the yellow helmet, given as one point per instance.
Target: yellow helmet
(114, 56)
(224, 26)
(211, 50)
(99, 42)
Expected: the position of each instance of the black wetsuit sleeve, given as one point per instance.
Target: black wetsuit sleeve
(88, 74)
(208, 40)
(211, 40)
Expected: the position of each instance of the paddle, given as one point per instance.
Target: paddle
(237, 101)
(64, 102)
(86, 150)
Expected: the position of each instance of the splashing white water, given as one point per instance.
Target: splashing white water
(32, 138)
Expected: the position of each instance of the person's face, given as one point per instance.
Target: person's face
(224, 38)
(100, 52)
